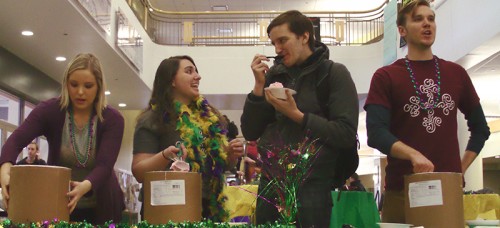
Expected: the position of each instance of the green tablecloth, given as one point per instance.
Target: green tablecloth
(354, 208)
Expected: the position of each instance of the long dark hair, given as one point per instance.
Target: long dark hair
(162, 96)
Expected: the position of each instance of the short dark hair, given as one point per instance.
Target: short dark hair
(355, 176)
(409, 8)
(297, 22)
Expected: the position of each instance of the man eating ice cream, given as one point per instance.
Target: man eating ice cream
(331, 118)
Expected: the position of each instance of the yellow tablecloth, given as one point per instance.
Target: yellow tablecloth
(241, 200)
(485, 206)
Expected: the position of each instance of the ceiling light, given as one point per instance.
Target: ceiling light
(61, 58)
(220, 8)
(107, 92)
(27, 33)
(122, 105)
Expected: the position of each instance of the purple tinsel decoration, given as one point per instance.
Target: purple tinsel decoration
(270, 154)
(218, 171)
(224, 131)
(204, 108)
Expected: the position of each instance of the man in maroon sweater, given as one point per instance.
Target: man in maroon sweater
(412, 109)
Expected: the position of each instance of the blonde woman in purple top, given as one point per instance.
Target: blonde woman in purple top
(83, 134)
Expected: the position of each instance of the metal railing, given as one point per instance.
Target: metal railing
(100, 11)
(230, 28)
(127, 39)
(233, 28)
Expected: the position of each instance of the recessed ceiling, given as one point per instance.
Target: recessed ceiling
(60, 29)
(489, 66)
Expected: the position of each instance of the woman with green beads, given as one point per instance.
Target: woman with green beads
(179, 121)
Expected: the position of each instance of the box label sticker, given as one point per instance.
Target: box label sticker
(425, 193)
(168, 192)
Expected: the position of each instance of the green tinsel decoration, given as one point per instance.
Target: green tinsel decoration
(143, 224)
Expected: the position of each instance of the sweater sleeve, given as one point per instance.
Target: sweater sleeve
(377, 126)
(110, 137)
(479, 130)
(257, 114)
(340, 129)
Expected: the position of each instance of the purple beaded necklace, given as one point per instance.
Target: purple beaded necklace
(81, 157)
(416, 86)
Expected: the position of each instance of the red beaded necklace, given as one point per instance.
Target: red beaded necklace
(81, 157)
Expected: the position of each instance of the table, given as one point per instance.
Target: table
(361, 205)
(241, 200)
(485, 206)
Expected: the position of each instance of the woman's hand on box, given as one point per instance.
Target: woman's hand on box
(78, 189)
(5, 180)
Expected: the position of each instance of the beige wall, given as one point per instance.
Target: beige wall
(124, 160)
(491, 178)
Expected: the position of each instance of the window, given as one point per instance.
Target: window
(6, 130)
(28, 107)
(43, 146)
(9, 108)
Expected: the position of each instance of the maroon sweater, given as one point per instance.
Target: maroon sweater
(47, 119)
(432, 132)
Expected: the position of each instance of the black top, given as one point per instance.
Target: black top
(357, 186)
(36, 162)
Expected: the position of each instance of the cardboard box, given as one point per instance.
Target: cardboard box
(38, 193)
(434, 200)
(172, 196)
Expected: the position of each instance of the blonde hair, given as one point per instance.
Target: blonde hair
(409, 8)
(85, 61)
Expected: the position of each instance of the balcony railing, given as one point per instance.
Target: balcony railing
(127, 39)
(234, 28)
(99, 10)
(231, 28)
